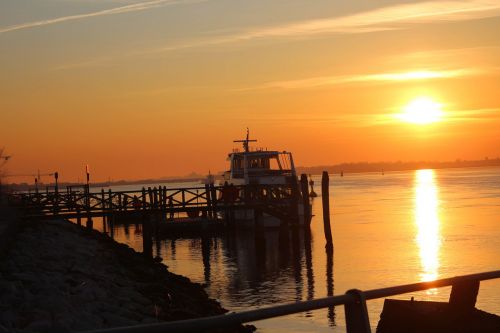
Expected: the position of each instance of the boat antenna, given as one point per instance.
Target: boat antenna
(245, 142)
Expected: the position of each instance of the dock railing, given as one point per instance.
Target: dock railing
(354, 302)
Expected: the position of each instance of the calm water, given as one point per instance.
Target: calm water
(390, 229)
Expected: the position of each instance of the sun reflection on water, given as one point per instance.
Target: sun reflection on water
(428, 225)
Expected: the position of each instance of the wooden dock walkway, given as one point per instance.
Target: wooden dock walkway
(209, 202)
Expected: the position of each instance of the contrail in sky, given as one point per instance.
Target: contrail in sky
(380, 19)
(111, 11)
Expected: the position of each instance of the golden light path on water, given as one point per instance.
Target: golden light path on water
(428, 225)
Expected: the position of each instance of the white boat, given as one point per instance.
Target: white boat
(254, 166)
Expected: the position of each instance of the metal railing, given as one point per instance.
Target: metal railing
(354, 301)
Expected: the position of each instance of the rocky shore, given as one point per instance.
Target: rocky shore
(58, 277)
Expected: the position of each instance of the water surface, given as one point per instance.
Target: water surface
(391, 229)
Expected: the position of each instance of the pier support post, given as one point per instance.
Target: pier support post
(305, 199)
(103, 206)
(147, 238)
(208, 194)
(78, 218)
(90, 223)
(325, 192)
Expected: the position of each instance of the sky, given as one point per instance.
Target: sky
(146, 89)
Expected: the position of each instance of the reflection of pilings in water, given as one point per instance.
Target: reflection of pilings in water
(260, 252)
(126, 229)
(284, 247)
(157, 247)
(329, 284)
(111, 222)
(297, 268)
(309, 265)
(205, 253)
(173, 248)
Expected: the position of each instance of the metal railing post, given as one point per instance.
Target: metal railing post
(356, 313)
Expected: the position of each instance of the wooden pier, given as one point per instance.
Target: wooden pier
(209, 203)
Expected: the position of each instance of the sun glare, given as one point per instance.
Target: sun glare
(422, 110)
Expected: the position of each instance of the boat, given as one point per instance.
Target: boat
(258, 166)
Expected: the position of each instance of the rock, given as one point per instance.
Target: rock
(59, 278)
(114, 320)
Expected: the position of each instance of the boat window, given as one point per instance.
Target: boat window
(274, 164)
(237, 164)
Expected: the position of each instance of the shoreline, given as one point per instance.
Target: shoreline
(56, 276)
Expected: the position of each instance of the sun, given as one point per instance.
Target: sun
(422, 110)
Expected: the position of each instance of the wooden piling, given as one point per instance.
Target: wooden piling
(325, 192)
(147, 237)
(155, 198)
(103, 206)
(90, 223)
(78, 217)
(208, 194)
(293, 211)
(305, 199)
(143, 198)
(213, 196)
(120, 203)
(150, 196)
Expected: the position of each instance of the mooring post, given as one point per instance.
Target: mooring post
(305, 199)
(325, 193)
(463, 295)
(356, 313)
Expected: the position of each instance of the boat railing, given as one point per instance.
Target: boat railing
(354, 302)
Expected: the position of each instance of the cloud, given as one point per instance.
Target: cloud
(382, 19)
(111, 11)
(370, 78)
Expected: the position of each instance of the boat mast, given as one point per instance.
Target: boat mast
(246, 146)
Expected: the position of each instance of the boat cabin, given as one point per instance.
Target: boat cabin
(258, 166)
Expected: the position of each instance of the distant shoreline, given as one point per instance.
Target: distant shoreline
(358, 167)
(370, 167)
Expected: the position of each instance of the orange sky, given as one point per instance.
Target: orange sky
(141, 89)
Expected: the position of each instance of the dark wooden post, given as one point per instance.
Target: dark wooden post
(90, 223)
(78, 217)
(294, 216)
(103, 206)
(150, 196)
(56, 194)
(305, 199)
(155, 198)
(463, 295)
(356, 313)
(325, 192)
(164, 198)
(120, 203)
(147, 237)
(213, 196)
(208, 194)
(143, 198)
(111, 215)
